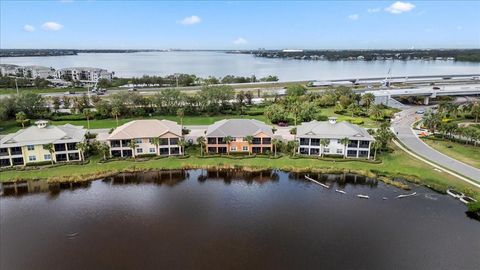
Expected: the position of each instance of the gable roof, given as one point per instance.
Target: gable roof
(148, 128)
(50, 134)
(238, 128)
(325, 129)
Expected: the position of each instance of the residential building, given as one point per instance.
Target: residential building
(28, 145)
(239, 130)
(142, 133)
(39, 72)
(309, 136)
(85, 74)
(10, 70)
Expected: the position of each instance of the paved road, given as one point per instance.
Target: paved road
(402, 126)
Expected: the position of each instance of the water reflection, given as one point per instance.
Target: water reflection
(169, 178)
(341, 180)
(21, 188)
(228, 176)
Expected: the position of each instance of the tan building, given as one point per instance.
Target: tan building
(143, 134)
(239, 130)
(28, 145)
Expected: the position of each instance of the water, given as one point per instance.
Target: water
(232, 220)
(220, 64)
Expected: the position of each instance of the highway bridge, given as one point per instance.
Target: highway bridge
(384, 96)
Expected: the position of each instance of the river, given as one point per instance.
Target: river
(219, 64)
(199, 219)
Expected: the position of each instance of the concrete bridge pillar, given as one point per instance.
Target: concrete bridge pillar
(426, 100)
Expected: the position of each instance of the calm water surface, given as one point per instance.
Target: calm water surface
(232, 220)
(220, 64)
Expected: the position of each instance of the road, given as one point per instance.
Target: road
(402, 126)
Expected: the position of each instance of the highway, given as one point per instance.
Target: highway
(402, 126)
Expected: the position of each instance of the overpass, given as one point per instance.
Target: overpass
(384, 96)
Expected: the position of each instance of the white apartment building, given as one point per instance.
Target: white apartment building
(39, 72)
(309, 135)
(85, 74)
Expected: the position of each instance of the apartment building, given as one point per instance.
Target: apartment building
(39, 72)
(27, 145)
(85, 74)
(309, 135)
(240, 131)
(137, 138)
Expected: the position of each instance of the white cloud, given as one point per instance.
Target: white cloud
(353, 17)
(400, 7)
(28, 28)
(240, 41)
(51, 26)
(373, 10)
(191, 20)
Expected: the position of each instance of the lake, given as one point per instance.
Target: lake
(200, 219)
(219, 64)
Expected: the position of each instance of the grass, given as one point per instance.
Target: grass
(9, 91)
(465, 153)
(396, 164)
(12, 126)
(368, 123)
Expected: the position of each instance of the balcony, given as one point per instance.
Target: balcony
(257, 141)
(60, 147)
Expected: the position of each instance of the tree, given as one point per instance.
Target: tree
(367, 99)
(227, 140)
(182, 143)
(181, 114)
(275, 143)
(249, 97)
(376, 145)
(296, 90)
(115, 113)
(344, 141)
(323, 143)
(431, 121)
(295, 145)
(156, 142)
(88, 114)
(50, 148)
(21, 118)
(133, 144)
(376, 112)
(276, 113)
(201, 142)
(104, 150)
(249, 139)
(475, 111)
(296, 109)
(82, 147)
(56, 103)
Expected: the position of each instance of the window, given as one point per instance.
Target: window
(47, 157)
(233, 148)
(139, 150)
(326, 150)
(32, 158)
(339, 151)
(315, 142)
(245, 148)
(151, 150)
(150, 140)
(138, 140)
(304, 141)
(30, 147)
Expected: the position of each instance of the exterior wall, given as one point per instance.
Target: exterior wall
(238, 143)
(38, 152)
(145, 144)
(333, 147)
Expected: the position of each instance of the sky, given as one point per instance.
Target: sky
(239, 25)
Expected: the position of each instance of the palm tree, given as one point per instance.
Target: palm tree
(375, 112)
(475, 111)
(21, 118)
(275, 143)
(368, 99)
(105, 150)
(82, 147)
(115, 113)
(182, 143)
(133, 144)
(249, 139)
(227, 140)
(88, 114)
(50, 148)
(376, 145)
(344, 142)
(323, 143)
(156, 142)
(201, 142)
(181, 114)
(295, 145)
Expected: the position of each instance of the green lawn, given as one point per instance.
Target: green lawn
(465, 153)
(12, 126)
(397, 163)
(368, 123)
(8, 91)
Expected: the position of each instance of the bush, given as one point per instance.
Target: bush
(356, 121)
(40, 163)
(254, 113)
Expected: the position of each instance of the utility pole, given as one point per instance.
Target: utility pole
(16, 85)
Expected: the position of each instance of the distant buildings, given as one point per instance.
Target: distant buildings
(137, 138)
(9, 70)
(85, 74)
(240, 131)
(310, 134)
(38, 72)
(27, 146)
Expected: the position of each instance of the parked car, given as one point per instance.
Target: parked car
(282, 124)
(420, 111)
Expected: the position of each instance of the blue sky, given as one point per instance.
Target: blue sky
(239, 25)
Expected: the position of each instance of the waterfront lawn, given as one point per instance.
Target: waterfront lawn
(466, 153)
(397, 163)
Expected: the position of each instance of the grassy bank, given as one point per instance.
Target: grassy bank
(396, 164)
(465, 153)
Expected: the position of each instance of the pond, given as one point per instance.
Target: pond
(232, 220)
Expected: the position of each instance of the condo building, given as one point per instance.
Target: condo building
(27, 146)
(310, 134)
(85, 74)
(137, 138)
(240, 131)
